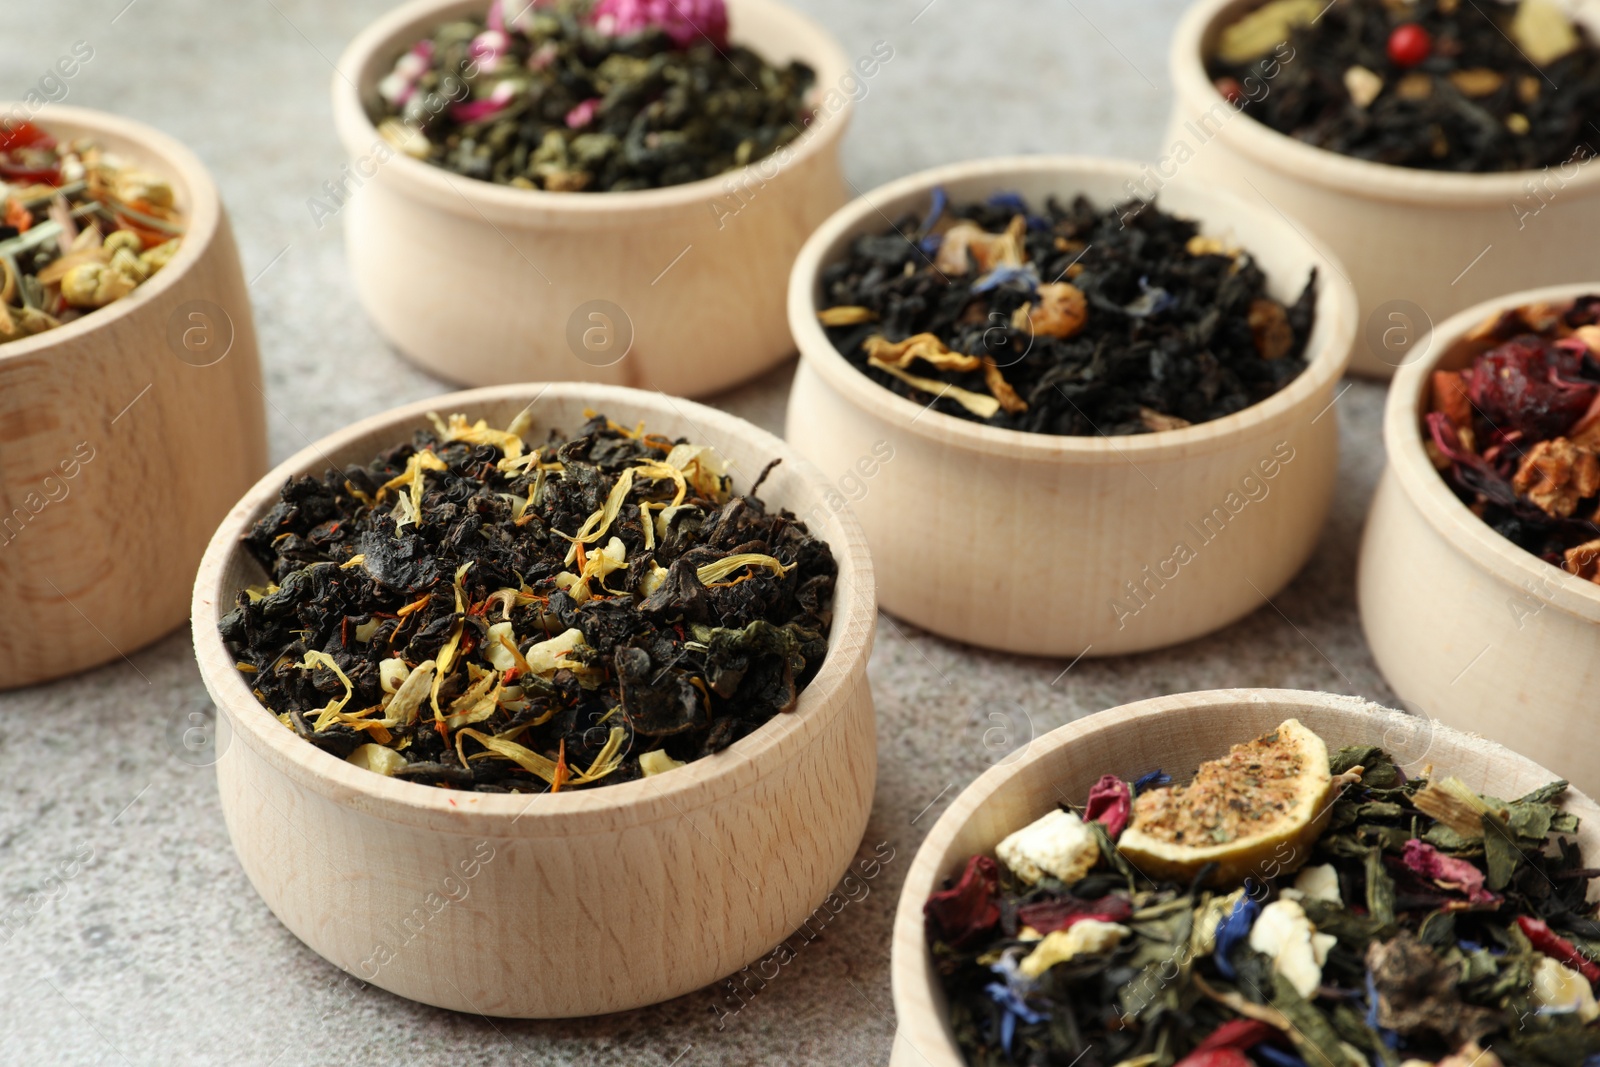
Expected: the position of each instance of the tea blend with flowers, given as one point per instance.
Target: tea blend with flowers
(591, 95)
(1283, 907)
(478, 612)
(1517, 432)
(1457, 85)
(82, 229)
(1077, 321)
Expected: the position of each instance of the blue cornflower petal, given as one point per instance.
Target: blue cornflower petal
(1154, 780)
(1278, 1056)
(1233, 930)
(1011, 201)
(1002, 275)
(1014, 1008)
(941, 200)
(1390, 1038)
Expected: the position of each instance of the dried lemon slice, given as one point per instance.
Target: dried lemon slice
(1255, 812)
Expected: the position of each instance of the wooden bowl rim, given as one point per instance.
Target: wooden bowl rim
(201, 218)
(399, 29)
(1302, 162)
(1337, 316)
(627, 804)
(914, 994)
(1431, 495)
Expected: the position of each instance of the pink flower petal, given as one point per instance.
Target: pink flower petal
(1447, 871)
(1111, 803)
(583, 114)
(685, 21)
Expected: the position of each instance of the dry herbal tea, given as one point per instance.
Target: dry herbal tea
(82, 229)
(475, 612)
(1284, 908)
(1517, 432)
(1078, 321)
(1458, 85)
(591, 95)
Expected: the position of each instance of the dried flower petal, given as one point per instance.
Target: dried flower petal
(961, 914)
(1110, 803)
(1557, 947)
(1448, 872)
(685, 21)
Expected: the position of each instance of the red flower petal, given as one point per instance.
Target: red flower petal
(1048, 916)
(1111, 803)
(1237, 1034)
(958, 915)
(1558, 948)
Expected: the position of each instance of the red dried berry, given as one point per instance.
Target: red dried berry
(1409, 45)
(1230, 89)
(1527, 385)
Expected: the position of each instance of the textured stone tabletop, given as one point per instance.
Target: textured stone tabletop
(154, 949)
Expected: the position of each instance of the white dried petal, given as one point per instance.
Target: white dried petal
(1283, 933)
(1059, 844)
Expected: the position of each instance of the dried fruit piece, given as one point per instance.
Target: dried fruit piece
(1269, 326)
(1477, 81)
(1556, 474)
(1058, 844)
(1088, 936)
(1543, 31)
(1266, 800)
(1363, 85)
(1584, 560)
(1259, 32)
(1061, 311)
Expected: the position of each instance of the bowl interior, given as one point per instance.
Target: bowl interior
(1409, 399)
(1195, 41)
(778, 33)
(793, 484)
(1175, 734)
(752, 23)
(148, 149)
(1284, 253)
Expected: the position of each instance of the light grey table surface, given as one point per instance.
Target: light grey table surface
(157, 950)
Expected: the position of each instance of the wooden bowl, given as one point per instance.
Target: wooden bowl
(1175, 733)
(125, 436)
(678, 289)
(1419, 245)
(1466, 626)
(1035, 543)
(553, 905)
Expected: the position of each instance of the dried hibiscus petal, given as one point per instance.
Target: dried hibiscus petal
(1110, 803)
(960, 914)
(1226, 1044)
(1048, 916)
